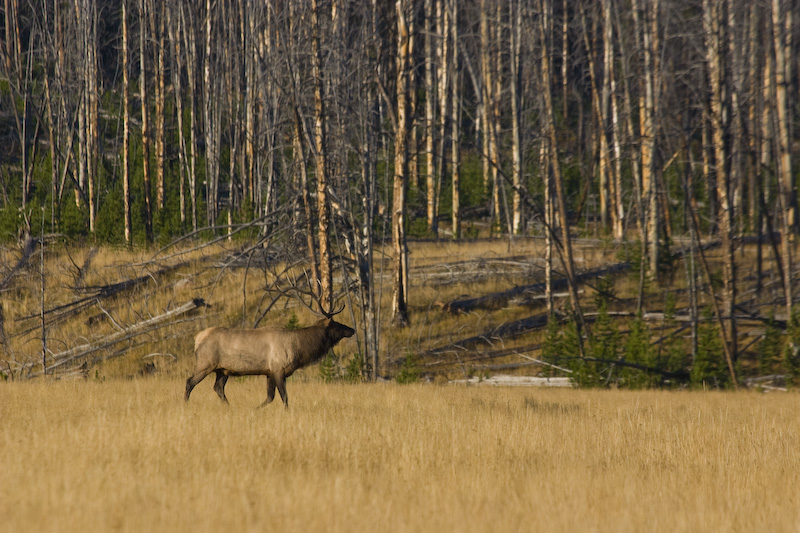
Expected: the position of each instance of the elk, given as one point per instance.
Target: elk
(274, 352)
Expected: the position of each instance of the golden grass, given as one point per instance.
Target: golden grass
(132, 456)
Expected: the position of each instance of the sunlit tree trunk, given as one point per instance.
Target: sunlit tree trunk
(92, 108)
(148, 214)
(302, 175)
(210, 119)
(486, 99)
(781, 34)
(600, 104)
(430, 143)
(157, 20)
(400, 251)
(443, 83)
(498, 191)
(645, 13)
(455, 154)
(714, 31)
(549, 224)
(190, 45)
(321, 164)
(174, 31)
(515, 38)
(631, 133)
(618, 220)
(126, 186)
(545, 20)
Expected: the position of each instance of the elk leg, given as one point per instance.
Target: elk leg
(219, 385)
(270, 391)
(192, 382)
(280, 382)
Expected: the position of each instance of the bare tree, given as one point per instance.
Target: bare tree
(545, 31)
(455, 109)
(714, 30)
(143, 39)
(321, 163)
(400, 250)
(430, 102)
(781, 34)
(126, 185)
(515, 82)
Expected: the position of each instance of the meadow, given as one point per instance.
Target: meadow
(130, 455)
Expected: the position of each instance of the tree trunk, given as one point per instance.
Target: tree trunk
(486, 98)
(712, 18)
(148, 214)
(444, 82)
(210, 119)
(618, 220)
(174, 31)
(400, 251)
(126, 185)
(455, 154)
(555, 165)
(157, 20)
(644, 17)
(190, 45)
(92, 118)
(430, 143)
(600, 105)
(781, 31)
(515, 18)
(321, 164)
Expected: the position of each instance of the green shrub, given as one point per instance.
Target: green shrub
(409, 370)
(709, 367)
(791, 353)
(770, 348)
(293, 323)
(328, 369)
(638, 350)
(354, 370)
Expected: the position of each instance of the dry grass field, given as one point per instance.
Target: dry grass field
(130, 455)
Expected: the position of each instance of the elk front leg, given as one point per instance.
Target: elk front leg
(270, 391)
(280, 382)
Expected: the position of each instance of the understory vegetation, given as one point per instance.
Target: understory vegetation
(479, 310)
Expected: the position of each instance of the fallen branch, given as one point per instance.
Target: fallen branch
(66, 357)
(27, 251)
(61, 312)
(500, 299)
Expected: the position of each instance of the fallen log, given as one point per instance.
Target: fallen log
(501, 299)
(61, 359)
(27, 251)
(501, 380)
(503, 331)
(60, 313)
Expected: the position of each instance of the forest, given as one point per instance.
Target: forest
(328, 134)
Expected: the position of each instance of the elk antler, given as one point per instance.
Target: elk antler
(314, 297)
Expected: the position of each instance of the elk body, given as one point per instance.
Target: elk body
(275, 353)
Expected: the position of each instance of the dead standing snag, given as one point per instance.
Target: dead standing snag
(273, 352)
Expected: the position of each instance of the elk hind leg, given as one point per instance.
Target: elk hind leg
(219, 385)
(280, 382)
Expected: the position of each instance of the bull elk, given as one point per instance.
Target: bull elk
(273, 352)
